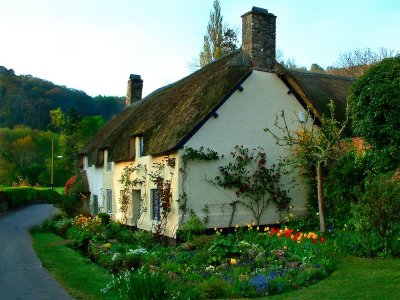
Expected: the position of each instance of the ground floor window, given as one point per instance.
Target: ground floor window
(109, 200)
(155, 205)
(95, 205)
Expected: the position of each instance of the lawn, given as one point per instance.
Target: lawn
(81, 278)
(354, 278)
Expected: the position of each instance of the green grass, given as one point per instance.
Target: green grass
(354, 278)
(81, 278)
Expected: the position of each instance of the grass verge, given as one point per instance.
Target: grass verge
(354, 278)
(81, 278)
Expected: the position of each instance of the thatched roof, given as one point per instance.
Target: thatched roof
(168, 117)
(315, 90)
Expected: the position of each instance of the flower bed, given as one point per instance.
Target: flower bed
(247, 262)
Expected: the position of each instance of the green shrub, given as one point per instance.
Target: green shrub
(81, 237)
(377, 216)
(14, 197)
(213, 288)
(343, 185)
(105, 218)
(192, 227)
(70, 204)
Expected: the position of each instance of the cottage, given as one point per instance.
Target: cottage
(136, 161)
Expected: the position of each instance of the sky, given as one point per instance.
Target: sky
(93, 45)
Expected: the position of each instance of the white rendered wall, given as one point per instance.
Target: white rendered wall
(145, 221)
(241, 121)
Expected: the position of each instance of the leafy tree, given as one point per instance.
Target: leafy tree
(75, 132)
(218, 40)
(375, 102)
(314, 147)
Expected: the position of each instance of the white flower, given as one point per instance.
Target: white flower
(115, 256)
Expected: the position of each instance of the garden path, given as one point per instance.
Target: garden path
(21, 273)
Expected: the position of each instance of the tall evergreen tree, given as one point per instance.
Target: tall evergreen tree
(218, 40)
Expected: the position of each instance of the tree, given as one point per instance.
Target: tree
(355, 63)
(375, 103)
(75, 132)
(315, 68)
(219, 39)
(314, 147)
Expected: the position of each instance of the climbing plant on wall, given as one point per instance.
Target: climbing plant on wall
(256, 183)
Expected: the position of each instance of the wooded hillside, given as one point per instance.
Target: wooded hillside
(27, 100)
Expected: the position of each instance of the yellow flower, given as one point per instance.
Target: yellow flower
(266, 228)
(284, 248)
(233, 262)
(107, 246)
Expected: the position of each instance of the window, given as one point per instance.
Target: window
(141, 146)
(81, 161)
(109, 200)
(95, 205)
(155, 205)
(131, 147)
(100, 157)
(108, 166)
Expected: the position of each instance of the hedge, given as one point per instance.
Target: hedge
(14, 197)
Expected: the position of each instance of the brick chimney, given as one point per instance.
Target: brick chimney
(258, 38)
(135, 87)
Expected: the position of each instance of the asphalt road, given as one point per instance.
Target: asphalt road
(21, 273)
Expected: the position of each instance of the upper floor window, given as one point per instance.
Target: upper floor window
(100, 157)
(132, 147)
(141, 146)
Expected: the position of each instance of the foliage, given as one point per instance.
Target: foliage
(255, 183)
(377, 216)
(313, 147)
(354, 278)
(157, 176)
(25, 153)
(219, 39)
(375, 99)
(14, 197)
(192, 227)
(344, 184)
(140, 285)
(128, 183)
(250, 262)
(75, 131)
(27, 100)
(199, 154)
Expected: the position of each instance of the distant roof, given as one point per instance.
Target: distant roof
(169, 116)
